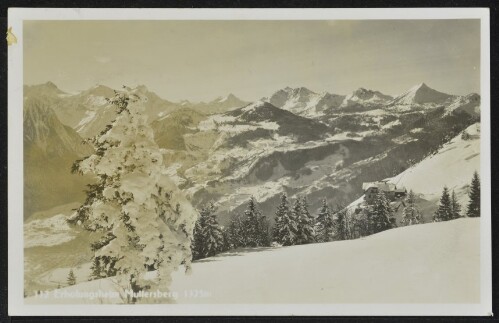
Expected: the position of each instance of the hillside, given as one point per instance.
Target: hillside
(452, 165)
(436, 262)
(50, 148)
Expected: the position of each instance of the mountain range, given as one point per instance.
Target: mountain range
(295, 141)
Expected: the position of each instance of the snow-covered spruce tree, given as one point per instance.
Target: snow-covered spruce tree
(455, 206)
(212, 240)
(145, 221)
(71, 280)
(264, 231)
(235, 235)
(255, 226)
(411, 213)
(324, 226)
(381, 214)
(474, 195)
(226, 246)
(444, 211)
(304, 222)
(197, 238)
(285, 227)
(340, 218)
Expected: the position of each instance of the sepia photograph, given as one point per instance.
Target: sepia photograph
(249, 162)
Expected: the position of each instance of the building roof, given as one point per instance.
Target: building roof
(384, 186)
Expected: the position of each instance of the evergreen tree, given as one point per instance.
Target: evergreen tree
(455, 206)
(474, 195)
(264, 231)
(146, 223)
(255, 226)
(411, 213)
(381, 214)
(304, 221)
(324, 227)
(444, 211)
(208, 236)
(285, 227)
(235, 232)
(341, 223)
(96, 269)
(197, 239)
(211, 234)
(71, 278)
(226, 246)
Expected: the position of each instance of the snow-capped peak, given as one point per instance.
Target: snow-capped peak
(363, 96)
(304, 102)
(421, 94)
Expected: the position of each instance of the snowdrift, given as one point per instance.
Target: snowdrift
(428, 263)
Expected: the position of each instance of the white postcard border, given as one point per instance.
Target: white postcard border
(16, 304)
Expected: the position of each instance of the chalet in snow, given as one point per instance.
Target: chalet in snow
(391, 190)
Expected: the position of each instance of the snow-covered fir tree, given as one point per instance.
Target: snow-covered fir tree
(208, 237)
(285, 227)
(71, 280)
(411, 213)
(381, 214)
(455, 206)
(324, 225)
(474, 196)
(145, 221)
(304, 221)
(444, 211)
(255, 226)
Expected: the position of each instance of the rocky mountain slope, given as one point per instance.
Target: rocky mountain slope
(50, 148)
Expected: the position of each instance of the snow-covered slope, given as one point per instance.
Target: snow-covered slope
(452, 166)
(304, 102)
(428, 263)
(469, 104)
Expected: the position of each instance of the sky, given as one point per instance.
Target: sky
(201, 60)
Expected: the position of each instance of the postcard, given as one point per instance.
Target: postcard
(249, 162)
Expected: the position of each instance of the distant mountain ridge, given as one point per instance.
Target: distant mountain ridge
(304, 102)
(218, 105)
(304, 143)
(364, 97)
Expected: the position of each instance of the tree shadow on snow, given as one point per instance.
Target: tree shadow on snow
(234, 253)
